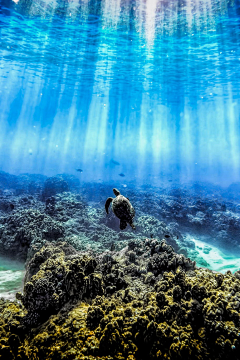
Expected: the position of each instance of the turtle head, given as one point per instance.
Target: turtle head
(116, 192)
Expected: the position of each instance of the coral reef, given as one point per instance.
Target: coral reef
(198, 208)
(54, 185)
(11, 334)
(22, 184)
(23, 228)
(117, 306)
(92, 291)
(59, 184)
(56, 275)
(193, 209)
(26, 221)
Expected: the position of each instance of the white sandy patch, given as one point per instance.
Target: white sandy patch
(11, 277)
(218, 260)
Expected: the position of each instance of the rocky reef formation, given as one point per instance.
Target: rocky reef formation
(37, 184)
(143, 302)
(57, 275)
(27, 222)
(23, 228)
(92, 291)
(54, 185)
(194, 208)
(22, 184)
(196, 213)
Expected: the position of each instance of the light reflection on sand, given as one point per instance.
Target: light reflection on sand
(11, 278)
(217, 259)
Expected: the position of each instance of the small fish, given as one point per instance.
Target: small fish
(167, 236)
(79, 170)
(114, 162)
(121, 174)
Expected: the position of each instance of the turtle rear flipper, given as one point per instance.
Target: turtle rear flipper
(133, 226)
(123, 224)
(107, 203)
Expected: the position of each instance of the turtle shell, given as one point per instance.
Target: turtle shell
(122, 208)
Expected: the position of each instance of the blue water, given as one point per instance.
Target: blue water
(127, 92)
(151, 84)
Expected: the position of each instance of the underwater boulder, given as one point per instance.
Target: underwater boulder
(152, 227)
(55, 276)
(20, 230)
(72, 181)
(107, 306)
(233, 191)
(54, 185)
(23, 183)
(6, 205)
(7, 181)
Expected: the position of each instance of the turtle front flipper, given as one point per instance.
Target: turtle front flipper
(116, 192)
(107, 203)
(123, 224)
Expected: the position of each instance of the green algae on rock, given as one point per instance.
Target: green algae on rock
(27, 227)
(81, 306)
(56, 276)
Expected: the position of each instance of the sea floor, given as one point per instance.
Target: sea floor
(11, 277)
(212, 257)
(88, 280)
(206, 256)
(201, 222)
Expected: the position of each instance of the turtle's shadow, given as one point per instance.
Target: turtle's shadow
(113, 223)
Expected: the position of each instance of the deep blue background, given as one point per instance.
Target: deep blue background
(153, 85)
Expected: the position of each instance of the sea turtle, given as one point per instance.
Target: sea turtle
(122, 208)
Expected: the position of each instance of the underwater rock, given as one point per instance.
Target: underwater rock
(59, 274)
(87, 226)
(29, 184)
(54, 276)
(22, 229)
(106, 306)
(233, 191)
(59, 184)
(185, 314)
(6, 205)
(195, 212)
(141, 300)
(158, 229)
(50, 205)
(23, 183)
(7, 181)
(72, 181)
(54, 185)
(11, 334)
(164, 258)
